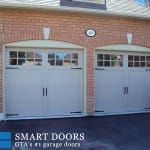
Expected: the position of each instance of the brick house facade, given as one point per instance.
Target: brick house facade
(27, 24)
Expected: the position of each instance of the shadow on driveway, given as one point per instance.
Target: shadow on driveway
(123, 132)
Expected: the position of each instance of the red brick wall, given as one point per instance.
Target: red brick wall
(16, 25)
(1, 26)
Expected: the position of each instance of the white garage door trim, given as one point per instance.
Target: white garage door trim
(124, 48)
(121, 48)
(45, 44)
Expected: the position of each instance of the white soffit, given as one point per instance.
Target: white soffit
(44, 44)
(124, 47)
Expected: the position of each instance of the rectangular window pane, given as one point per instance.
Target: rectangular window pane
(147, 64)
(120, 57)
(74, 62)
(136, 58)
(59, 59)
(25, 58)
(67, 62)
(100, 63)
(136, 64)
(130, 64)
(110, 60)
(21, 54)
(147, 58)
(21, 61)
(142, 64)
(38, 55)
(67, 56)
(13, 54)
(130, 58)
(120, 63)
(107, 57)
(13, 62)
(59, 55)
(67, 59)
(38, 62)
(74, 55)
(30, 54)
(107, 63)
(100, 57)
(51, 62)
(113, 57)
(142, 58)
(114, 63)
(30, 61)
(51, 55)
(59, 62)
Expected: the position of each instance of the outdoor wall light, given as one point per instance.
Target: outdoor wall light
(90, 32)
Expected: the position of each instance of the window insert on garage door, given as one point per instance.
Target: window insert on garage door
(109, 60)
(138, 61)
(63, 59)
(25, 58)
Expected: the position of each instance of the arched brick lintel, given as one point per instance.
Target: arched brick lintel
(82, 40)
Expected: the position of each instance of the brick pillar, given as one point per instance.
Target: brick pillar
(1, 78)
(90, 78)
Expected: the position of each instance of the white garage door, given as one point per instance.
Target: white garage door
(40, 83)
(122, 82)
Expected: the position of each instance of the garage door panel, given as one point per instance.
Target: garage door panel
(107, 96)
(26, 111)
(24, 92)
(64, 91)
(139, 95)
(23, 77)
(139, 83)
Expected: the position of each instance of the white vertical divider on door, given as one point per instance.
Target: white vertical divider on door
(125, 82)
(44, 82)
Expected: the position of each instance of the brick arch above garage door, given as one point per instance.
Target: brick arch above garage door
(38, 35)
(98, 40)
(105, 40)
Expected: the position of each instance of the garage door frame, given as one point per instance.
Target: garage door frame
(51, 44)
(117, 48)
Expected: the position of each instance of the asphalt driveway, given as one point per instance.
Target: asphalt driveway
(123, 132)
